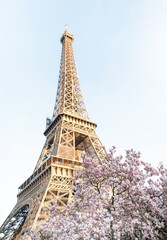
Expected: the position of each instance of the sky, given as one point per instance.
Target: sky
(121, 55)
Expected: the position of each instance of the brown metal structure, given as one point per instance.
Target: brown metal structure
(68, 133)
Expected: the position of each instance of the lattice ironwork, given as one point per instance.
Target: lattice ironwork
(69, 98)
(14, 226)
(68, 134)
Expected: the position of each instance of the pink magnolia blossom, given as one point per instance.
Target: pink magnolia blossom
(120, 199)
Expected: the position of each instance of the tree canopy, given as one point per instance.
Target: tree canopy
(124, 198)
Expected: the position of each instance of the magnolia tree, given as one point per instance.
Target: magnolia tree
(124, 198)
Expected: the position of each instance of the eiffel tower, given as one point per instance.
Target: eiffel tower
(69, 133)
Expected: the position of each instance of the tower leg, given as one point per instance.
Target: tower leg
(32, 208)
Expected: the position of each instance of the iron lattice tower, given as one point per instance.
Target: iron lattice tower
(68, 133)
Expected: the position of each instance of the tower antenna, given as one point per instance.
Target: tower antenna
(66, 26)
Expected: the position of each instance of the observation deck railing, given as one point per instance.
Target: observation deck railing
(51, 161)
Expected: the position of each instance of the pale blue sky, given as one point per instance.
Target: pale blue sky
(121, 56)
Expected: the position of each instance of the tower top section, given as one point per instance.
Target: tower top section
(66, 34)
(69, 99)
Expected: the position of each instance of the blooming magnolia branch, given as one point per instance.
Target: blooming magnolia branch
(124, 198)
